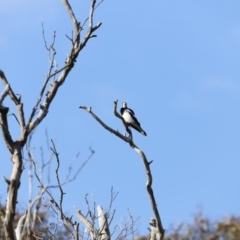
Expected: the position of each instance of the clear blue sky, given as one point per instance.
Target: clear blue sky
(176, 64)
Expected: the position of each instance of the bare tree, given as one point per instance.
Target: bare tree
(25, 228)
(56, 77)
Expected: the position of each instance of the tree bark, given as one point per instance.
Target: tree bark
(14, 183)
(103, 225)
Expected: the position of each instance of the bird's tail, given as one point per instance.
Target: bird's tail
(139, 129)
(143, 132)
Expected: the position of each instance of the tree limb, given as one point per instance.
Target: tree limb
(146, 163)
(17, 101)
(12, 95)
(5, 130)
(64, 71)
(75, 23)
(103, 224)
(93, 231)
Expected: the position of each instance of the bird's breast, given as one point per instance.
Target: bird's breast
(128, 117)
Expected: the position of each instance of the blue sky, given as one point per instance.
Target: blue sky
(176, 64)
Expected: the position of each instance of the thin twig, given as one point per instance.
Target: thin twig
(59, 208)
(49, 75)
(94, 10)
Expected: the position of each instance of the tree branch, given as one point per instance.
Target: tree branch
(49, 75)
(64, 71)
(92, 230)
(10, 91)
(103, 224)
(89, 110)
(17, 101)
(75, 23)
(59, 208)
(5, 130)
(4, 94)
(146, 163)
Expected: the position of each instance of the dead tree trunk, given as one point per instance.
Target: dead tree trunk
(57, 77)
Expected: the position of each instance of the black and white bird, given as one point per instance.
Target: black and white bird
(130, 120)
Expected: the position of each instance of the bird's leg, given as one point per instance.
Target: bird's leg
(129, 132)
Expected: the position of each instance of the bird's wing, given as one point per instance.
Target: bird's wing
(122, 111)
(136, 127)
(135, 120)
(130, 111)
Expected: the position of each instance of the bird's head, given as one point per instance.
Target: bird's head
(124, 105)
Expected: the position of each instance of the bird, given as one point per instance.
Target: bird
(129, 118)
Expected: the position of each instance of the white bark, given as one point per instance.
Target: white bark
(154, 232)
(103, 232)
(91, 229)
(19, 228)
(103, 225)
(12, 193)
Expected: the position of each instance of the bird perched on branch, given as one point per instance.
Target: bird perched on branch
(130, 120)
